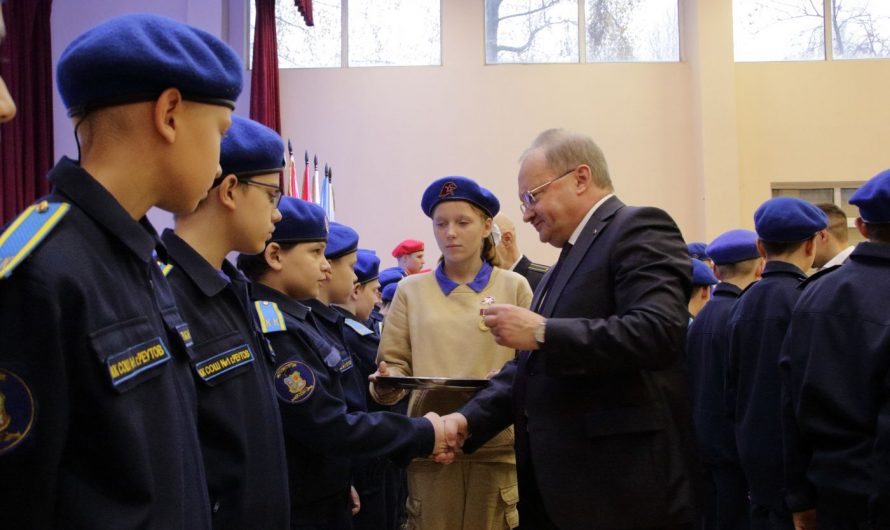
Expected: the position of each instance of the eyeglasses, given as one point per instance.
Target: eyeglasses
(530, 197)
(275, 197)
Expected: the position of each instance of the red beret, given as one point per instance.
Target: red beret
(407, 246)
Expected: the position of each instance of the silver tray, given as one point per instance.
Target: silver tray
(432, 383)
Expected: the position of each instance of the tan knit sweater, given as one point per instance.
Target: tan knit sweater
(428, 334)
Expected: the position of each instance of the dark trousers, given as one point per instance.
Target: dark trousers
(725, 503)
(765, 518)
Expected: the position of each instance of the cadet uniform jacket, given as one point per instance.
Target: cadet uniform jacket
(706, 352)
(321, 436)
(757, 328)
(602, 414)
(429, 333)
(835, 366)
(106, 434)
(533, 272)
(238, 419)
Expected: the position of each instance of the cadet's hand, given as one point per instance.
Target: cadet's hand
(441, 451)
(513, 326)
(805, 520)
(356, 502)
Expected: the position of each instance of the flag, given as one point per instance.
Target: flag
(316, 189)
(329, 192)
(323, 191)
(307, 188)
(293, 189)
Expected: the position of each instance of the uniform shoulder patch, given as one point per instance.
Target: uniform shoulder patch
(294, 382)
(27, 231)
(537, 267)
(271, 319)
(16, 411)
(165, 267)
(358, 327)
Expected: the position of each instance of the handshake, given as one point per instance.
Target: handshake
(451, 432)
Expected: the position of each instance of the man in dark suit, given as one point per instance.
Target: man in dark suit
(603, 426)
(512, 258)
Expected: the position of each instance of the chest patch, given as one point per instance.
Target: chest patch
(133, 361)
(225, 362)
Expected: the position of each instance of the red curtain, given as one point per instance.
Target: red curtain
(26, 142)
(305, 7)
(264, 78)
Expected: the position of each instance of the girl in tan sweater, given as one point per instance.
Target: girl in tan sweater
(434, 328)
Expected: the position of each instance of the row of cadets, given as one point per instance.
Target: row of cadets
(388, 277)
(835, 380)
(737, 264)
(238, 418)
(100, 427)
(787, 228)
(322, 437)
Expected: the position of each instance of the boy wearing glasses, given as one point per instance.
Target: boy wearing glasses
(238, 418)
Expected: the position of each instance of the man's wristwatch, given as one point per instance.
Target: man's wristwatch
(539, 332)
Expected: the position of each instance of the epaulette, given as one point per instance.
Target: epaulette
(537, 267)
(27, 231)
(817, 275)
(358, 327)
(271, 319)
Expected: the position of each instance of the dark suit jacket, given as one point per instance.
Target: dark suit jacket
(533, 272)
(602, 409)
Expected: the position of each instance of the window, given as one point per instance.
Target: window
(794, 30)
(837, 193)
(379, 33)
(546, 31)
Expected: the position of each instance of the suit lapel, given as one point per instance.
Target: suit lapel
(598, 221)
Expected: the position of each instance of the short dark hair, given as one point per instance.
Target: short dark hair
(254, 266)
(878, 232)
(729, 271)
(837, 220)
(776, 248)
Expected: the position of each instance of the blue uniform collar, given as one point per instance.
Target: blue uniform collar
(870, 250)
(202, 273)
(479, 282)
(328, 313)
(727, 289)
(285, 303)
(72, 181)
(775, 268)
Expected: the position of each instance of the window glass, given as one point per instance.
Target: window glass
(861, 29)
(786, 30)
(531, 31)
(394, 33)
(632, 30)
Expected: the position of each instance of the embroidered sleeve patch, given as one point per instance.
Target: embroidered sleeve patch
(27, 231)
(225, 362)
(294, 382)
(271, 319)
(16, 411)
(126, 365)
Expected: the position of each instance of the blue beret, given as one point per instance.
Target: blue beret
(341, 241)
(389, 292)
(367, 265)
(459, 189)
(391, 275)
(250, 148)
(136, 57)
(301, 222)
(733, 246)
(788, 220)
(873, 199)
(697, 250)
(702, 274)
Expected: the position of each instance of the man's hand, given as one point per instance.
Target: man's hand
(356, 502)
(805, 520)
(513, 326)
(456, 430)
